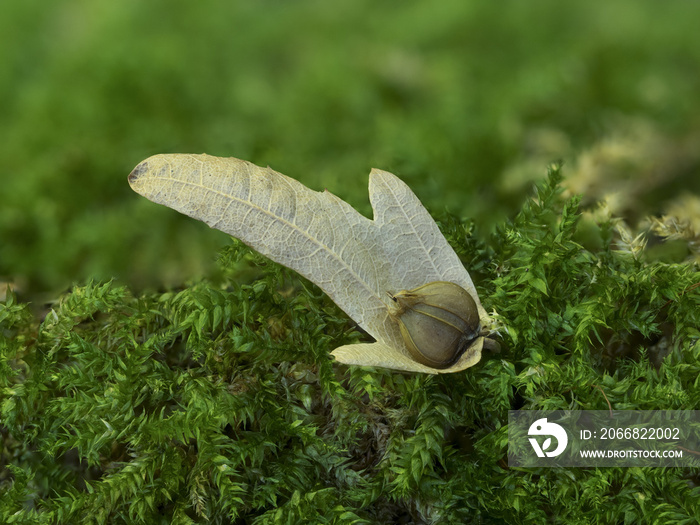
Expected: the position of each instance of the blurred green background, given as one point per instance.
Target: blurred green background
(466, 101)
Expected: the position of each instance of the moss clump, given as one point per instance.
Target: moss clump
(219, 403)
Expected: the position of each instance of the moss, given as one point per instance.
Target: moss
(464, 101)
(220, 402)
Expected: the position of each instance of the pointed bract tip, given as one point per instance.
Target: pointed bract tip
(137, 172)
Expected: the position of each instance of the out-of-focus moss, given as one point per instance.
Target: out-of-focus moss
(451, 97)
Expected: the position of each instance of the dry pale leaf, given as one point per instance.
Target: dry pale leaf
(354, 260)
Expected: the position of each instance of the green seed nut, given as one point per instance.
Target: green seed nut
(438, 321)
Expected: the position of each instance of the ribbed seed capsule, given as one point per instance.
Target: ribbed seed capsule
(438, 322)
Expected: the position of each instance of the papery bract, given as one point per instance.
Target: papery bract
(354, 260)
